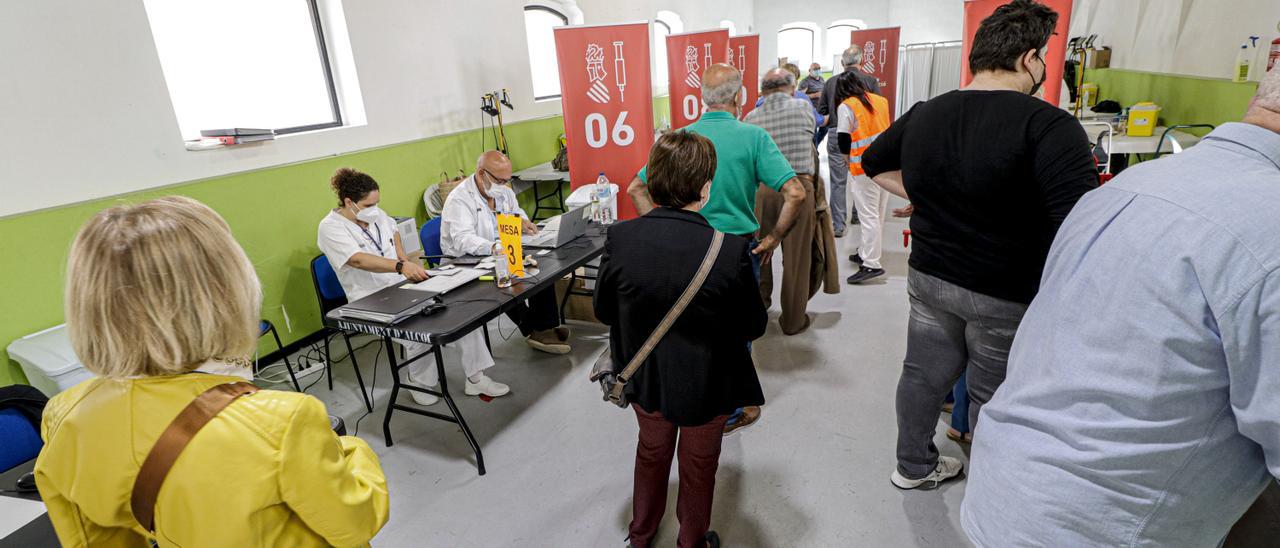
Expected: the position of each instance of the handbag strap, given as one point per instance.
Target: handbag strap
(694, 285)
(171, 443)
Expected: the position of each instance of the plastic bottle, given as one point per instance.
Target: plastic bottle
(1244, 60)
(601, 196)
(501, 273)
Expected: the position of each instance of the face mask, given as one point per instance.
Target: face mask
(814, 73)
(1035, 86)
(369, 214)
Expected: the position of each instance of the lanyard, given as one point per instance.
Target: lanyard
(376, 243)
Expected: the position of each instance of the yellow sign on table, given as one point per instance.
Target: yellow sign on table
(509, 228)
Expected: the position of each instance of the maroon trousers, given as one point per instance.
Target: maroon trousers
(699, 452)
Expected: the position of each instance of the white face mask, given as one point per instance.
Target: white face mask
(369, 214)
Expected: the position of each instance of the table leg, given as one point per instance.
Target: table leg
(453, 408)
(395, 390)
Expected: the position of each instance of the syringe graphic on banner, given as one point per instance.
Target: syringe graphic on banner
(706, 46)
(619, 71)
(742, 57)
(691, 67)
(598, 91)
(884, 45)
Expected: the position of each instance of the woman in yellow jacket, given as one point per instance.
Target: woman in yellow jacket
(162, 304)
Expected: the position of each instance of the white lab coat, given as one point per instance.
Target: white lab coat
(468, 226)
(339, 239)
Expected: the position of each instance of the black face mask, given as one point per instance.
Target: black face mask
(1035, 86)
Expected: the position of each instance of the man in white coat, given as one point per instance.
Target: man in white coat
(470, 227)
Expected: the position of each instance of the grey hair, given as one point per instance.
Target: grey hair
(851, 57)
(1268, 96)
(777, 79)
(723, 94)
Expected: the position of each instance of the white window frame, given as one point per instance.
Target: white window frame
(833, 53)
(671, 23)
(812, 28)
(564, 18)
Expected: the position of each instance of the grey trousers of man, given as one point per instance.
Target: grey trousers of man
(952, 330)
(838, 172)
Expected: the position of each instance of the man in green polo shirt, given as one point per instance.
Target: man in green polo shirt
(746, 156)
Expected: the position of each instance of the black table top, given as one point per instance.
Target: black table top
(473, 304)
(39, 532)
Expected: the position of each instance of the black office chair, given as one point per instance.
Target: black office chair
(330, 295)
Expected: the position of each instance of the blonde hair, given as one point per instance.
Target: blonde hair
(159, 288)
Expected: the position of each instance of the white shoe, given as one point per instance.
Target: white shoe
(948, 467)
(487, 387)
(422, 398)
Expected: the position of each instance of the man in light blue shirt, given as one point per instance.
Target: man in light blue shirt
(1142, 403)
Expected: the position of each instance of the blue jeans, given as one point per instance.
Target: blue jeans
(960, 413)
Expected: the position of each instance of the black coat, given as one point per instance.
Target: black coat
(702, 368)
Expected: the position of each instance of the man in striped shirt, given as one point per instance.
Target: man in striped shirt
(791, 124)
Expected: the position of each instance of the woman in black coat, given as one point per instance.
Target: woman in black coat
(701, 371)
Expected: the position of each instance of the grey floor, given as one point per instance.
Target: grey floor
(813, 472)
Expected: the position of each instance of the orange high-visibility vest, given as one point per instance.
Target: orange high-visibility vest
(870, 126)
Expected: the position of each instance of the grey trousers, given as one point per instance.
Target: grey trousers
(838, 172)
(951, 331)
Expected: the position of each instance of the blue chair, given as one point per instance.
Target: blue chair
(265, 327)
(330, 295)
(19, 440)
(430, 238)
(432, 252)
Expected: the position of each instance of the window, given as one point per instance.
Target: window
(538, 24)
(665, 24)
(838, 40)
(279, 78)
(727, 24)
(796, 42)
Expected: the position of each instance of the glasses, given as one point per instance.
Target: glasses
(495, 178)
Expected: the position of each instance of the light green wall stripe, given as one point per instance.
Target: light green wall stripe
(1183, 99)
(273, 213)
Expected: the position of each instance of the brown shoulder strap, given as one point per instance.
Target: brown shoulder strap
(171, 443)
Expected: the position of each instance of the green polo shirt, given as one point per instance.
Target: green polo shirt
(746, 156)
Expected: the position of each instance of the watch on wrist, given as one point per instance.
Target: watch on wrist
(399, 267)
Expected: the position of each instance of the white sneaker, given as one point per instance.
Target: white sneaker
(948, 467)
(422, 398)
(486, 386)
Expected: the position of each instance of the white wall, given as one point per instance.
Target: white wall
(921, 20)
(1189, 37)
(87, 114)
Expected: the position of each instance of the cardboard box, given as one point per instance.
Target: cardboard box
(579, 307)
(1097, 58)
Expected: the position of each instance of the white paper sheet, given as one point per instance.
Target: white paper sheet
(16, 513)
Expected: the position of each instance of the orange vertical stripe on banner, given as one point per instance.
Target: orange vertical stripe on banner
(607, 100)
(1055, 54)
(744, 53)
(688, 56)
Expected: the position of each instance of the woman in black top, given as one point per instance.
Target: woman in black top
(701, 370)
(992, 173)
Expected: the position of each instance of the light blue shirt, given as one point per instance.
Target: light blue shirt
(1142, 403)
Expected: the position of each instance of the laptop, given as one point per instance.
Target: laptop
(568, 227)
(387, 306)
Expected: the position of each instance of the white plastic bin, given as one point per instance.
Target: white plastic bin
(48, 361)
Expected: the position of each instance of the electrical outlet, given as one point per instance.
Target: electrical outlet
(306, 369)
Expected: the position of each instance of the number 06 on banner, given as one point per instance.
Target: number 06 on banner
(607, 100)
(597, 131)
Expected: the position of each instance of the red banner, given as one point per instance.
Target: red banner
(607, 99)
(744, 53)
(880, 60)
(688, 55)
(1055, 54)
